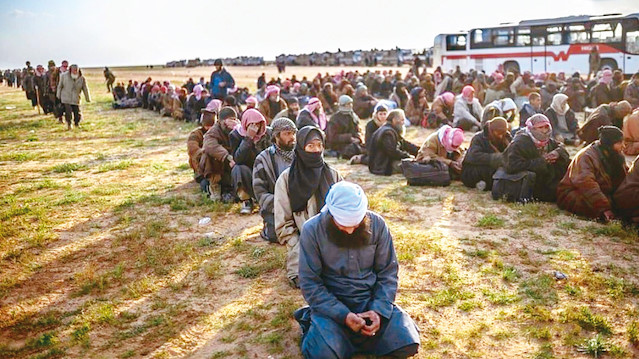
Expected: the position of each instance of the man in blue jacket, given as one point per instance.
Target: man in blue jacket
(348, 276)
(221, 81)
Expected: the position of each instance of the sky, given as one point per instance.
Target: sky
(130, 32)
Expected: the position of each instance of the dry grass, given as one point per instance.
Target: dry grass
(102, 256)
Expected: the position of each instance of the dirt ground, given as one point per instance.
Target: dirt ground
(102, 254)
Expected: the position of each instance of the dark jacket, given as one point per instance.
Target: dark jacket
(626, 197)
(523, 155)
(600, 94)
(602, 116)
(304, 119)
(244, 150)
(370, 129)
(388, 146)
(571, 121)
(342, 127)
(216, 149)
(482, 159)
(526, 112)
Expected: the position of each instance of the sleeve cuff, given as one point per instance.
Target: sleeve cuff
(383, 308)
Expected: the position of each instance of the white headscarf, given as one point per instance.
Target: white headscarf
(347, 203)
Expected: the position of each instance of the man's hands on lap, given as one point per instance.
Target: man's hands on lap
(357, 322)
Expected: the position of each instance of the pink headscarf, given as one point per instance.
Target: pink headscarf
(313, 104)
(450, 138)
(534, 126)
(468, 93)
(606, 77)
(249, 117)
(214, 106)
(448, 98)
(251, 100)
(271, 89)
(197, 91)
(498, 77)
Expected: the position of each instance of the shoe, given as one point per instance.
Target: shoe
(215, 192)
(355, 160)
(294, 282)
(68, 126)
(228, 198)
(247, 207)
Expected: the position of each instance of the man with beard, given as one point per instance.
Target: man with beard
(388, 146)
(485, 154)
(348, 276)
(221, 81)
(300, 192)
(533, 149)
(247, 141)
(604, 115)
(593, 177)
(194, 147)
(217, 161)
(272, 104)
(292, 111)
(69, 88)
(269, 164)
(343, 134)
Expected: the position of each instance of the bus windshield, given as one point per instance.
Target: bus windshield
(632, 37)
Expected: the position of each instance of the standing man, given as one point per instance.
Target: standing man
(53, 78)
(221, 81)
(594, 60)
(69, 88)
(110, 79)
(268, 166)
(348, 276)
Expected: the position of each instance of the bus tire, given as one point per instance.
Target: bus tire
(511, 66)
(610, 63)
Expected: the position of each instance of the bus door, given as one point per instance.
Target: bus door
(538, 50)
(631, 53)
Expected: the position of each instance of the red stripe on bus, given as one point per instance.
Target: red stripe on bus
(562, 56)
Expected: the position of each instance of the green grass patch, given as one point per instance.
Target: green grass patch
(490, 221)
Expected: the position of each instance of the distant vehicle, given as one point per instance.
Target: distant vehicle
(546, 45)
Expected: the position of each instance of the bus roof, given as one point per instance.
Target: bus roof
(578, 18)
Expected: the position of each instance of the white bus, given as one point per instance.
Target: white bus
(547, 45)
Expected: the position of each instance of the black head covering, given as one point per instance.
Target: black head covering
(612, 162)
(309, 174)
(609, 135)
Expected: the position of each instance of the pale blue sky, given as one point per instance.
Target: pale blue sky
(131, 32)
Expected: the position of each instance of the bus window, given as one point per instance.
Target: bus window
(481, 38)
(632, 42)
(577, 34)
(606, 32)
(455, 42)
(503, 37)
(554, 35)
(523, 37)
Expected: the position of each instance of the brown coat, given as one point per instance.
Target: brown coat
(216, 151)
(194, 148)
(432, 149)
(586, 188)
(265, 109)
(441, 111)
(601, 116)
(415, 113)
(627, 195)
(631, 134)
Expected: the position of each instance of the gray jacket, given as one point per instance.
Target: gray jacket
(69, 89)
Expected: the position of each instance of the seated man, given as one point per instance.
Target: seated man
(194, 148)
(631, 134)
(467, 111)
(292, 111)
(343, 134)
(348, 276)
(563, 120)
(119, 92)
(272, 104)
(533, 149)
(530, 108)
(363, 104)
(601, 94)
(631, 93)
(300, 192)
(504, 108)
(626, 197)
(217, 160)
(444, 145)
(312, 115)
(441, 112)
(247, 141)
(604, 115)
(388, 146)
(593, 176)
(485, 154)
(268, 166)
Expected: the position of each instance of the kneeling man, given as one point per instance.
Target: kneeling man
(348, 276)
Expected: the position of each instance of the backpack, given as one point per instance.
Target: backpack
(516, 187)
(432, 173)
